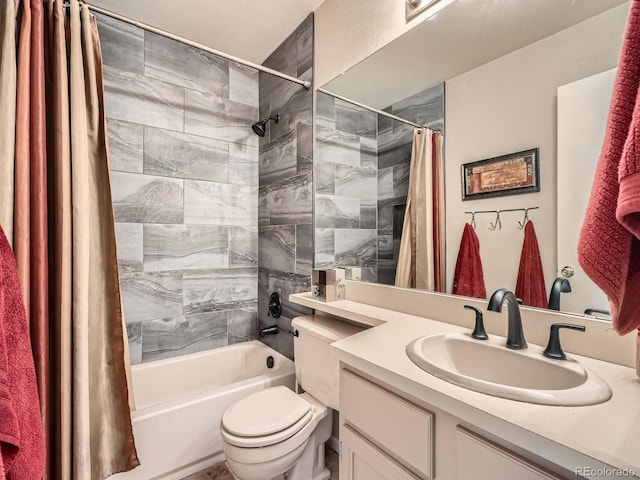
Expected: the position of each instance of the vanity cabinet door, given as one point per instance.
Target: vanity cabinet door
(481, 459)
(361, 460)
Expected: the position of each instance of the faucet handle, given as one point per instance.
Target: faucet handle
(554, 350)
(479, 333)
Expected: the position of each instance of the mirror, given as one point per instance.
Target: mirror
(498, 65)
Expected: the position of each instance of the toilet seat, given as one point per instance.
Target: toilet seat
(249, 423)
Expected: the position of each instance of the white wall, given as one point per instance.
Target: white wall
(509, 105)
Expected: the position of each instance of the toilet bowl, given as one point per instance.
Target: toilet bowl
(276, 434)
(289, 438)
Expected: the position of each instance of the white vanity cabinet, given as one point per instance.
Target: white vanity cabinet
(386, 436)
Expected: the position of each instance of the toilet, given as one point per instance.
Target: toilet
(277, 434)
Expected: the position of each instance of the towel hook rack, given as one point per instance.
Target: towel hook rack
(498, 222)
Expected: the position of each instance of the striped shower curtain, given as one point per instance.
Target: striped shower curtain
(56, 197)
(421, 257)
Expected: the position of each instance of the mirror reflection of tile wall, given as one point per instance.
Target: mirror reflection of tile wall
(361, 180)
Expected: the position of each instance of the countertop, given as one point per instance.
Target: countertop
(608, 433)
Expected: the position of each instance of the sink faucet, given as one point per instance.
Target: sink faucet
(560, 285)
(515, 335)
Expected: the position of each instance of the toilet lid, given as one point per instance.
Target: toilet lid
(265, 412)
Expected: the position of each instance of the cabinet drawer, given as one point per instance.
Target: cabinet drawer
(481, 459)
(398, 427)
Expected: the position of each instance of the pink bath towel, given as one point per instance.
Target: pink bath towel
(468, 279)
(530, 285)
(609, 244)
(21, 434)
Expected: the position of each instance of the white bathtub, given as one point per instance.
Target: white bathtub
(180, 402)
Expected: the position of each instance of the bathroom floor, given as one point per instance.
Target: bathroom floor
(220, 472)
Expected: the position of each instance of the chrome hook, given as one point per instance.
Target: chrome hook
(526, 218)
(473, 220)
(498, 222)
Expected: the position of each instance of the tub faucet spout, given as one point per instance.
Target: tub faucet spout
(515, 335)
(271, 330)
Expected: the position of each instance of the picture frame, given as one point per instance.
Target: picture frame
(511, 174)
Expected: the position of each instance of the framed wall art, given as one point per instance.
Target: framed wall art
(499, 176)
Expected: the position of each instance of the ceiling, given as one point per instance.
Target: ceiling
(248, 29)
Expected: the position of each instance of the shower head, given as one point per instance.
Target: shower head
(260, 127)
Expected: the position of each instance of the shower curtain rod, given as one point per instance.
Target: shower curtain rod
(305, 83)
(367, 107)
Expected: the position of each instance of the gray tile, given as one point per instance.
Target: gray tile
(285, 283)
(385, 216)
(368, 215)
(122, 44)
(385, 183)
(138, 99)
(184, 247)
(401, 180)
(243, 164)
(325, 111)
(304, 249)
(337, 212)
(356, 247)
(325, 249)
(356, 120)
(294, 113)
(355, 182)
(425, 107)
(148, 296)
(181, 335)
(125, 146)
(134, 336)
(325, 178)
(368, 153)
(242, 325)
(243, 246)
(278, 159)
(220, 203)
(304, 45)
(129, 246)
(175, 62)
(276, 247)
(337, 147)
(215, 290)
(387, 272)
(145, 198)
(304, 134)
(220, 118)
(385, 246)
(243, 84)
(174, 154)
(289, 201)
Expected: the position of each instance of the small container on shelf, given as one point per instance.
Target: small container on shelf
(353, 273)
(328, 284)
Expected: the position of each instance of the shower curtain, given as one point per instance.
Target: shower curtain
(420, 261)
(64, 240)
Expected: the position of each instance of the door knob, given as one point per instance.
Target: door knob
(567, 271)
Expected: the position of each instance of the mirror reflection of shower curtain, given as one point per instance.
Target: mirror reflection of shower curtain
(420, 261)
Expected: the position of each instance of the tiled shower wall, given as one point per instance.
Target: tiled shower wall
(346, 166)
(184, 170)
(286, 198)
(362, 176)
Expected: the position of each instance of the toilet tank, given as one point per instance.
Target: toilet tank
(316, 371)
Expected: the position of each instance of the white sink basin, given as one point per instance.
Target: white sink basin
(488, 366)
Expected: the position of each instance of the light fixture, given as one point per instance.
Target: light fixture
(416, 7)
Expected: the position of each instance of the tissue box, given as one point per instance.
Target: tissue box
(328, 285)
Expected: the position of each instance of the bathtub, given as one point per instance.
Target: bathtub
(180, 402)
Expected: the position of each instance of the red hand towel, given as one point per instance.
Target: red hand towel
(468, 279)
(21, 433)
(609, 245)
(530, 284)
